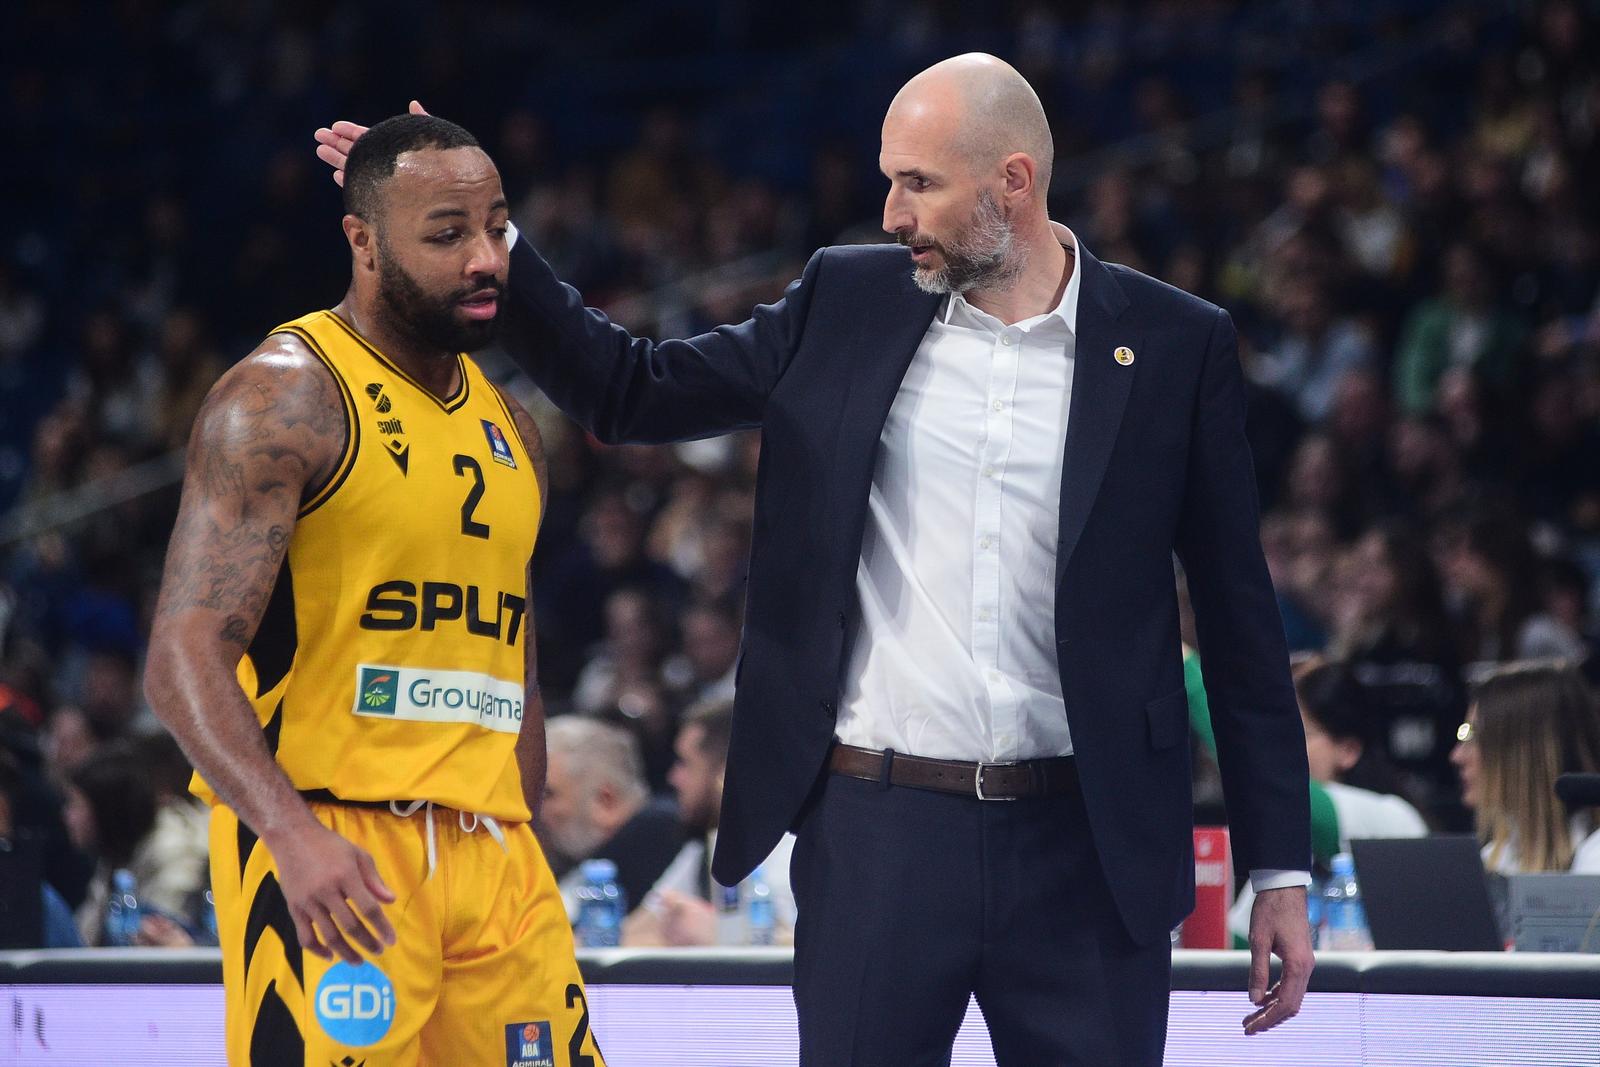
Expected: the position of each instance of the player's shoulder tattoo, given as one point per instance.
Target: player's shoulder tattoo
(280, 412)
(266, 435)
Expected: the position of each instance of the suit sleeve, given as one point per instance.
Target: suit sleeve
(630, 389)
(1260, 744)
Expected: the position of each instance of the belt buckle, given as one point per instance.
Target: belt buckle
(977, 779)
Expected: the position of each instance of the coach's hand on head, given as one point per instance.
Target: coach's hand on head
(333, 142)
(1278, 927)
(335, 894)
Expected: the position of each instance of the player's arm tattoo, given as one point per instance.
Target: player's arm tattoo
(270, 430)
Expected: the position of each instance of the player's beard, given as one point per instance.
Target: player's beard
(431, 320)
(984, 256)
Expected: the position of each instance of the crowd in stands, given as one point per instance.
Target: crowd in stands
(1390, 198)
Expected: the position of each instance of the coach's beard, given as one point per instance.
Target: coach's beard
(985, 257)
(432, 320)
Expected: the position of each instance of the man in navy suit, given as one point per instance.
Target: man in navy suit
(961, 680)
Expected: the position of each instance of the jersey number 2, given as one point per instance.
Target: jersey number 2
(471, 527)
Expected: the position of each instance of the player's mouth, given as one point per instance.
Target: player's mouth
(920, 253)
(484, 304)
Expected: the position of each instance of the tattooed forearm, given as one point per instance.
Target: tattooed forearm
(235, 632)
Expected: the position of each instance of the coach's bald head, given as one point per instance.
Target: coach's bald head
(968, 153)
(986, 109)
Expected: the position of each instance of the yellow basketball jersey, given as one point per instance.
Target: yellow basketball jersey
(389, 662)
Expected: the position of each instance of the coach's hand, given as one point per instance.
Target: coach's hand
(1278, 927)
(333, 142)
(331, 887)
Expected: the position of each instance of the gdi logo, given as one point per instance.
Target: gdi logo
(355, 1004)
(341, 1000)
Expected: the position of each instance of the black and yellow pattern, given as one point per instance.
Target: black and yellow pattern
(484, 950)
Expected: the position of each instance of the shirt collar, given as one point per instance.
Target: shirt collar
(956, 306)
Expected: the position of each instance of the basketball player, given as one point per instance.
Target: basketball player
(344, 649)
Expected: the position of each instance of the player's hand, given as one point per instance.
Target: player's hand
(687, 921)
(335, 894)
(1278, 927)
(333, 142)
(158, 931)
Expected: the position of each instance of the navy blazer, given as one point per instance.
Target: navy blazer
(1155, 462)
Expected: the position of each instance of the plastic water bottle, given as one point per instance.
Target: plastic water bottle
(600, 905)
(1314, 910)
(1344, 919)
(123, 913)
(730, 917)
(761, 919)
(208, 917)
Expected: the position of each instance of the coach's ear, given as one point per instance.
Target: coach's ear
(363, 243)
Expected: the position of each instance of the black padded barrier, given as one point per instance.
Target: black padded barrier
(1501, 974)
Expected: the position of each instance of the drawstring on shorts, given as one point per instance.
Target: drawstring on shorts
(410, 808)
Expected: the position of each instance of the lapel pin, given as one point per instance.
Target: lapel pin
(1123, 356)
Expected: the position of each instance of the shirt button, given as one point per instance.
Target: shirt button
(988, 472)
(998, 405)
(1005, 338)
(984, 542)
(985, 615)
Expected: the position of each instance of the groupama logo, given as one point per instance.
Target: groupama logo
(378, 689)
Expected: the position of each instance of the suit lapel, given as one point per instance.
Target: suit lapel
(1100, 387)
(899, 321)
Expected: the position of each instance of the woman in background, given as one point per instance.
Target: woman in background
(1354, 790)
(1529, 723)
(114, 813)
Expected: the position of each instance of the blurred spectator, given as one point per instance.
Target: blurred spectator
(112, 813)
(678, 909)
(70, 738)
(609, 557)
(187, 369)
(1529, 723)
(624, 680)
(1463, 326)
(1390, 626)
(597, 806)
(1492, 567)
(705, 670)
(628, 660)
(32, 912)
(1317, 351)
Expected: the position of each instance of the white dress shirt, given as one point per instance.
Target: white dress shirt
(954, 655)
(955, 652)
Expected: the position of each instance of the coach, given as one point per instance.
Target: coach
(980, 449)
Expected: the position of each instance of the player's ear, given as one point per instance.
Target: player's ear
(363, 242)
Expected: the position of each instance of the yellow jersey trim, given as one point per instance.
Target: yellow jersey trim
(352, 434)
(450, 403)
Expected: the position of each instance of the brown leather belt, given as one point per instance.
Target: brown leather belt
(986, 781)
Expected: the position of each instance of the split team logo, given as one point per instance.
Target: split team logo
(499, 447)
(355, 1004)
(529, 1045)
(376, 690)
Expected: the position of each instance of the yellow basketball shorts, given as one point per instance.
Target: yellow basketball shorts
(482, 972)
